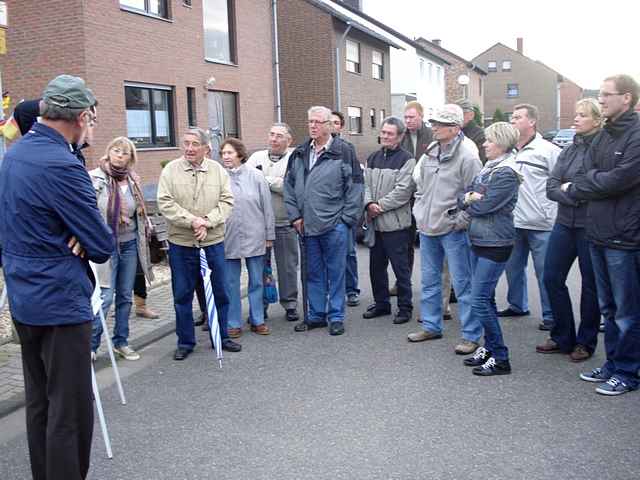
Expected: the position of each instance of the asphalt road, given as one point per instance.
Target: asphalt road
(367, 405)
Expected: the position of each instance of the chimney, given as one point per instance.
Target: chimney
(519, 43)
(357, 4)
(437, 41)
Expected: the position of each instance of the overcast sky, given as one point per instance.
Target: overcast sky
(583, 40)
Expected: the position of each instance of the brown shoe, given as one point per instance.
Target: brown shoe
(142, 310)
(579, 354)
(549, 346)
(261, 329)
(234, 332)
(422, 335)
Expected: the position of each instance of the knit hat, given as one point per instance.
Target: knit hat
(465, 104)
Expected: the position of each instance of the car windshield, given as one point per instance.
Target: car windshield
(566, 133)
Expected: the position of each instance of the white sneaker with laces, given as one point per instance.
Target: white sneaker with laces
(127, 352)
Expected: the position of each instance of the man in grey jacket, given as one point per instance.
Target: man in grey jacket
(323, 195)
(388, 189)
(446, 169)
(273, 165)
(534, 215)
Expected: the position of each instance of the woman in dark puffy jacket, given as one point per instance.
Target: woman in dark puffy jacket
(568, 242)
(490, 201)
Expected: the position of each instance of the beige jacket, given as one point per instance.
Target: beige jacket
(185, 192)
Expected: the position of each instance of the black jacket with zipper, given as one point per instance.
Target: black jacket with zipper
(611, 184)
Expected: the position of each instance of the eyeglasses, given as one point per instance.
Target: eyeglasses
(608, 94)
(93, 118)
(120, 151)
(317, 122)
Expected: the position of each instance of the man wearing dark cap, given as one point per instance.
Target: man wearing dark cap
(470, 128)
(50, 228)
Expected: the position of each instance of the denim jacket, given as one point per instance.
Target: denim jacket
(492, 217)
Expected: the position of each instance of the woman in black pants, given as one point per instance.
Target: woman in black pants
(568, 242)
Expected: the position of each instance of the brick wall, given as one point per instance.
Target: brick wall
(307, 69)
(570, 93)
(114, 46)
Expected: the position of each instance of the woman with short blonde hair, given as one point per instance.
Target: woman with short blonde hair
(567, 242)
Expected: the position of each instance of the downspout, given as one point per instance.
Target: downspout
(339, 68)
(276, 60)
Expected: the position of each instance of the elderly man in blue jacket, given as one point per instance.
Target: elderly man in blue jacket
(324, 192)
(50, 228)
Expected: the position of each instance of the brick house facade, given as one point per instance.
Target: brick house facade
(160, 57)
(513, 78)
(308, 34)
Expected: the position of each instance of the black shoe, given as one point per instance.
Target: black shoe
(493, 367)
(480, 356)
(402, 317)
(266, 314)
(353, 300)
(202, 320)
(545, 327)
(231, 346)
(292, 315)
(374, 311)
(303, 327)
(452, 297)
(181, 354)
(509, 312)
(336, 328)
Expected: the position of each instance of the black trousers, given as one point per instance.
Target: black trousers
(59, 403)
(391, 247)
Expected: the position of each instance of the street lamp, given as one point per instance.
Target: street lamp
(463, 81)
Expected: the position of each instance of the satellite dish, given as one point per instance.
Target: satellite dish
(463, 80)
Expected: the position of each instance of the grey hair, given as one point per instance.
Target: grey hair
(532, 110)
(202, 135)
(502, 134)
(54, 112)
(326, 113)
(285, 126)
(395, 122)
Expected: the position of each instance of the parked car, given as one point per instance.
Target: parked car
(564, 137)
(549, 134)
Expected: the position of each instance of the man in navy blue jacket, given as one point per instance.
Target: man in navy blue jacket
(610, 184)
(50, 228)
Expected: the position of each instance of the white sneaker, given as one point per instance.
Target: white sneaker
(93, 356)
(127, 352)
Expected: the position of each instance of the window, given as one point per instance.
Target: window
(506, 65)
(377, 65)
(149, 115)
(513, 90)
(355, 120)
(480, 86)
(218, 31)
(353, 57)
(439, 74)
(372, 117)
(492, 66)
(191, 107)
(152, 7)
(430, 71)
(383, 115)
(421, 64)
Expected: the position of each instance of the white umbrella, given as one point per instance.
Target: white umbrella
(212, 312)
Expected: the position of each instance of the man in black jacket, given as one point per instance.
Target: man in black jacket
(611, 184)
(470, 128)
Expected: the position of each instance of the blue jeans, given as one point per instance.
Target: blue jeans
(486, 274)
(565, 245)
(255, 267)
(534, 241)
(326, 259)
(432, 252)
(123, 275)
(351, 280)
(185, 267)
(618, 280)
